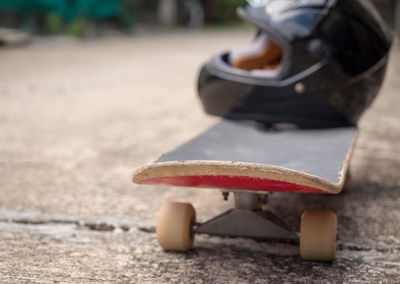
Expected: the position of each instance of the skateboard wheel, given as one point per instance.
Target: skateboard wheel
(174, 223)
(318, 235)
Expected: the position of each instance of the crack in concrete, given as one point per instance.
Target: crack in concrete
(381, 249)
(151, 230)
(63, 227)
(100, 226)
(392, 248)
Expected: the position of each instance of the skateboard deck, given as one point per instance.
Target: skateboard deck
(238, 156)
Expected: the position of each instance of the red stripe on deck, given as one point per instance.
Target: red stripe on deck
(233, 182)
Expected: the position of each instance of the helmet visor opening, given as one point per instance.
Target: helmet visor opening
(262, 54)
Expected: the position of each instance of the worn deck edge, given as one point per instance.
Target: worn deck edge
(201, 168)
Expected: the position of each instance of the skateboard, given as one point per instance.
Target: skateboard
(251, 161)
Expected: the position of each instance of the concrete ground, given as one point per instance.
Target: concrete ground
(78, 117)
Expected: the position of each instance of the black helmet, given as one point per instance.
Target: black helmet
(312, 63)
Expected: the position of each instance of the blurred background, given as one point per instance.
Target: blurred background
(20, 19)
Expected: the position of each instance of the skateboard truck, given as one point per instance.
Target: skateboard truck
(176, 227)
(246, 221)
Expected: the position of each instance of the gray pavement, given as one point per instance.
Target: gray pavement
(77, 117)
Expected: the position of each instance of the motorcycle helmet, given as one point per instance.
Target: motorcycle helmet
(312, 63)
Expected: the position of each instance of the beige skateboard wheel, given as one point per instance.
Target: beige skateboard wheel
(174, 223)
(318, 235)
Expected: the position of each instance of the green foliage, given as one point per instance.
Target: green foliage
(56, 24)
(76, 27)
(225, 10)
(53, 23)
(68, 16)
